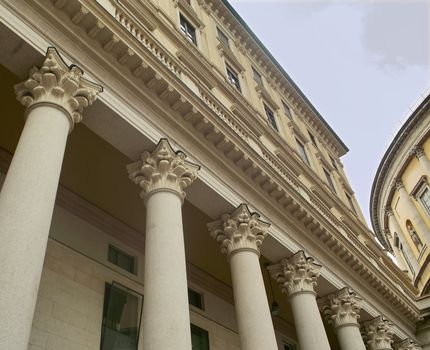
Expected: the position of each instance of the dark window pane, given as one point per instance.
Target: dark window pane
(188, 30)
(195, 299)
(287, 110)
(122, 311)
(329, 180)
(222, 37)
(271, 117)
(199, 338)
(121, 259)
(302, 152)
(425, 199)
(257, 76)
(233, 78)
(313, 140)
(288, 346)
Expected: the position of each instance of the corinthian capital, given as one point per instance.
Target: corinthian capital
(398, 184)
(407, 344)
(388, 211)
(417, 151)
(296, 274)
(378, 333)
(342, 308)
(239, 230)
(57, 84)
(163, 169)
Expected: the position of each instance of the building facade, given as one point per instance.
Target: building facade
(166, 185)
(400, 199)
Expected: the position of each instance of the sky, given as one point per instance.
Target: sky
(362, 63)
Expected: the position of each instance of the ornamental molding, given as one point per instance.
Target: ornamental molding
(378, 333)
(296, 274)
(238, 231)
(57, 84)
(342, 308)
(417, 152)
(407, 344)
(397, 184)
(163, 169)
(299, 203)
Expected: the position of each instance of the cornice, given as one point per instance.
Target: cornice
(244, 154)
(388, 161)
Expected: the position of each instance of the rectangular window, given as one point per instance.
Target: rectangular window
(333, 162)
(425, 199)
(195, 299)
(302, 152)
(223, 38)
(313, 140)
(329, 180)
(232, 77)
(121, 259)
(188, 30)
(199, 338)
(351, 203)
(287, 110)
(122, 310)
(257, 76)
(271, 117)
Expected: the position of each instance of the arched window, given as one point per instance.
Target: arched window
(414, 236)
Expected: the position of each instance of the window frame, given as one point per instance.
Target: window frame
(303, 155)
(350, 202)
(257, 76)
(425, 189)
(287, 110)
(231, 72)
(329, 180)
(313, 139)
(184, 29)
(222, 37)
(201, 331)
(201, 299)
(114, 248)
(270, 117)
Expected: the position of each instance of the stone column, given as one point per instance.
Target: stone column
(241, 234)
(378, 334)
(418, 152)
(342, 310)
(423, 332)
(297, 277)
(405, 244)
(416, 219)
(163, 176)
(407, 344)
(55, 96)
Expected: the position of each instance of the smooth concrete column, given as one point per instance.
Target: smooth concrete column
(405, 244)
(55, 96)
(407, 344)
(378, 334)
(418, 152)
(297, 277)
(416, 219)
(163, 176)
(342, 310)
(241, 233)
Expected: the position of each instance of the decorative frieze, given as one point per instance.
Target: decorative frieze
(378, 333)
(57, 84)
(407, 344)
(296, 274)
(239, 230)
(163, 169)
(342, 308)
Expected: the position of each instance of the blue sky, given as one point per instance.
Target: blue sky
(363, 64)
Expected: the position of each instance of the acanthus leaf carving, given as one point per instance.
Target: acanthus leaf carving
(407, 344)
(378, 333)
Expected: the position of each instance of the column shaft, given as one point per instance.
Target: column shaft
(308, 323)
(252, 308)
(425, 164)
(26, 205)
(349, 338)
(166, 319)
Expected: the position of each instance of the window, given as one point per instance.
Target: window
(351, 203)
(271, 117)
(122, 310)
(233, 77)
(302, 152)
(223, 38)
(121, 259)
(199, 338)
(414, 235)
(329, 180)
(425, 199)
(333, 162)
(188, 30)
(257, 76)
(289, 346)
(313, 140)
(287, 110)
(408, 262)
(195, 299)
